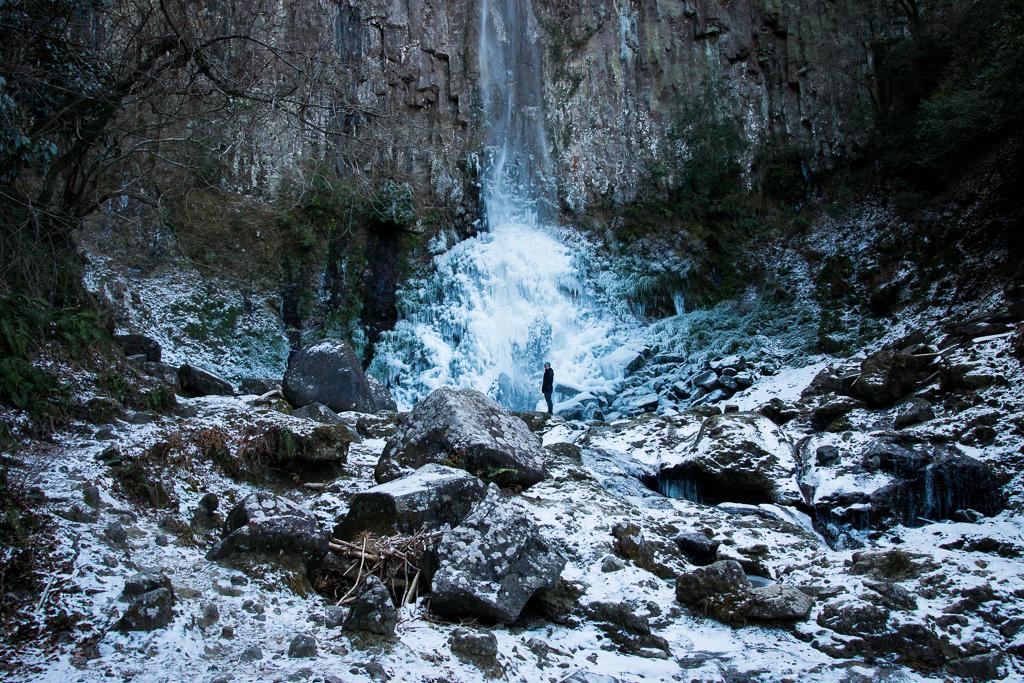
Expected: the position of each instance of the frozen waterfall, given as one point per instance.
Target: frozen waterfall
(497, 306)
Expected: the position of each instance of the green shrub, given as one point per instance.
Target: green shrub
(951, 88)
(29, 388)
(18, 529)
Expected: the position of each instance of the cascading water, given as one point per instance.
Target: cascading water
(497, 306)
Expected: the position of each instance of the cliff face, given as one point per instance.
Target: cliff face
(616, 75)
(411, 72)
(621, 73)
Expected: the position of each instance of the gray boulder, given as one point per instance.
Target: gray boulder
(493, 563)
(698, 548)
(430, 497)
(382, 399)
(373, 611)
(265, 524)
(478, 647)
(330, 373)
(144, 582)
(723, 591)
(151, 603)
(196, 382)
(706, 380)
(739, 458)
(889, 374)
(302, 645)
(139, 345)
(464, 429)
(777, 602)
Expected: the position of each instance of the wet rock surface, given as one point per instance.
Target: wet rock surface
(464, 429)
(330, 373)
(493, 563)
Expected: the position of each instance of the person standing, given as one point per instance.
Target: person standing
(548, 386)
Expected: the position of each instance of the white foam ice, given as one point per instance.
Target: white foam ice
(498, 305)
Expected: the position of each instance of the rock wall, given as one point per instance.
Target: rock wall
(617, 75)
(411, 83)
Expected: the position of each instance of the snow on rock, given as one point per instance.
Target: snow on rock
(741, 457)
(430, 497)
(330, 373)
(465, 429)
(493, 563)
(908, 604)
(268, 525)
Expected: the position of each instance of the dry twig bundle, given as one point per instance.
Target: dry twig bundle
(396, 560)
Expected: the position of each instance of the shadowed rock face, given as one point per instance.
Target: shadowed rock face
(493, 563)
(330, 373)
(614, 79)
(430, 497)
(739, 458)
(265, 524)
(934, 488)
(467, 430)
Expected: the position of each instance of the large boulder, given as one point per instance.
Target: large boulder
(373, 611)
(493, 563)
(265, 524)
(464, 429)
(890, 374)
(330, 373)
(196, 382)
(739, 458)
(723, 591)
(430, 497)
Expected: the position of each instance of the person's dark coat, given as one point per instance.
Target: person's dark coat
(549, 381)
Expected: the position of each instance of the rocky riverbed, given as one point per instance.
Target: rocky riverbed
(842, 521)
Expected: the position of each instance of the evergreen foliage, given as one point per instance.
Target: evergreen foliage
(950, 88)
(25, 324)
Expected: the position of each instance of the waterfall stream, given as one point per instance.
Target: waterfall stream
(497, 306)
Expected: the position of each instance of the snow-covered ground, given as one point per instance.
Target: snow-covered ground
(960, 589)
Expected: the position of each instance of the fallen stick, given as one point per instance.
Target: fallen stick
(410, 592)
(358, 577)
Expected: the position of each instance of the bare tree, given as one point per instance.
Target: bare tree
(110, 100)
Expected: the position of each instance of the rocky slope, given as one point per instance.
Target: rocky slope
(850, 520)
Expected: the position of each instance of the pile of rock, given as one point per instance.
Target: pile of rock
(723, 591)
(655, 382)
